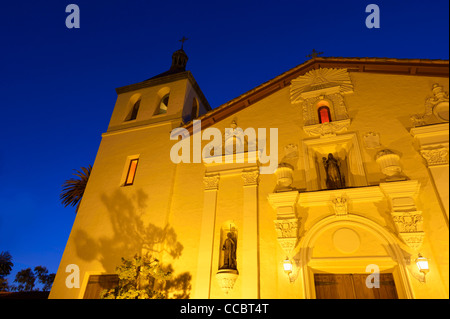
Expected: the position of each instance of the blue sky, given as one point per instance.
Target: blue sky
(58, 85)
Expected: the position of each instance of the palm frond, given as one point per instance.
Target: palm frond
(73, 189)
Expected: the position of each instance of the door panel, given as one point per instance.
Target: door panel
(330, 286)
(386, 291)
(353, 286)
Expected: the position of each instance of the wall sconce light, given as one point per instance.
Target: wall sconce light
(422, 264)
(287, 266)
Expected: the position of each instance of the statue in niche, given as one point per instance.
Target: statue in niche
(332, 166)
(229, 257)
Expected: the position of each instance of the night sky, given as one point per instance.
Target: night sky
(58, 85)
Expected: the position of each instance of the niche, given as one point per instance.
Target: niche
(345, 151)
(133, 107)
(228, 246)
(227, 274)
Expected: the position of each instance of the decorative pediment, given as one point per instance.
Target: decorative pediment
(327, 129)
(287, 224)
(436, 108)
(435, 156)
(407, 219)
(320, 81)
(432, 143)
(287, 233)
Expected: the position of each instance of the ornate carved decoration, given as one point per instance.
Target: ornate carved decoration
(234, 139)
(327, 129)
(211, 182)
(407, 219)
(250, 177)
(291, 150)
(418, 119)
(288, 244)
(340, 206)
(309, 108)
(226, 279)
(287, 232)
(435, 156)
(320, 80)
(287, 224)
(409, 227)
(371, 140)
(437, 105)
(408, 222)
(286, 228)
(413, 240)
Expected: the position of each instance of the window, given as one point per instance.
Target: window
(131, 172)
(134, 111)
(194, 112)
(163, 105)
(324, 114)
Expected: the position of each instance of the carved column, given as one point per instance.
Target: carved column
(340, 206)
(407, 219)
(204, 266)
(287, 222)
(250, 265)
(432, 143)
(435, 156)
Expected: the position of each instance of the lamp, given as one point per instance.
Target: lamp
(287, 265)
(422, 264)
(288, 268)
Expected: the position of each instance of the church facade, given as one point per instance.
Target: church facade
(328, 181)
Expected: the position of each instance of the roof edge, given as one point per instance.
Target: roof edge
(166, 79)
(417, 67)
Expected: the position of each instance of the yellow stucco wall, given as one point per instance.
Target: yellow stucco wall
(163, 210)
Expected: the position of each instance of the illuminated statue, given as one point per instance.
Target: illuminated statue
(229, 248)
(335, 179)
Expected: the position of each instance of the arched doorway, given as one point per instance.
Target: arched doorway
(349, 245)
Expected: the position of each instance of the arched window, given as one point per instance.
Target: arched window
(134, 111)
(163, 105)
(194, 112)
(324, 114)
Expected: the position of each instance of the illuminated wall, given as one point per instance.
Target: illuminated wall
(394, 204)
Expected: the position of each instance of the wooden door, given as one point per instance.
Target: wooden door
(97, 283)
(353, 286)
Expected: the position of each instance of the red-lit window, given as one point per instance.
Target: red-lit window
(324, 114)
(131, 172)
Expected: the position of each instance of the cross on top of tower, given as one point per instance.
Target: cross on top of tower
(314, 54)
(183, 39)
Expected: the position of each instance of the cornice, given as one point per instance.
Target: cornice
(413, 67)
(167, 79)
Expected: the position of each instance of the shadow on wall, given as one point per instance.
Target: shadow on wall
(130, 236)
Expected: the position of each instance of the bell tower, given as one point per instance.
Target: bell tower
(172, 96)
